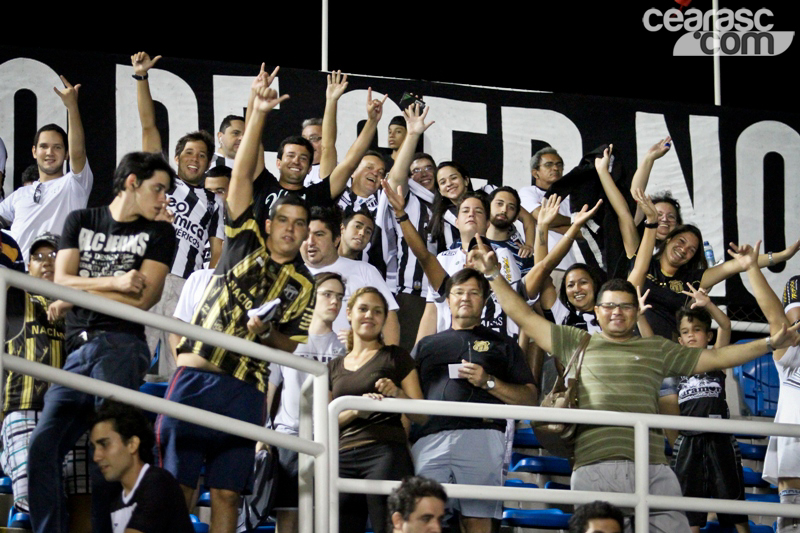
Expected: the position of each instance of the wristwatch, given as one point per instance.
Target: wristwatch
(490, 383)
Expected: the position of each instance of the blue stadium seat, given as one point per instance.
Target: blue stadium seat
(519, 484)
(526, 438)
(556, 485)
(542, 518)
(204, 500)
(771, 497)
(18, 519)
(199, 527)
(5, 485)
(755, 452)
(542, 464)
(158, 389)
(760, 384)
(712, 526)
(752, 478)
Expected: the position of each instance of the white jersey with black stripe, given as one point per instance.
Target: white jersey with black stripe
(198, 216)
(411, 278)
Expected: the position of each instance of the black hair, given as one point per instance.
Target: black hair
(196, 136)
(289, 199)
(322, 277)
(697, 261)
(697, 315)
(30, 174)
(297, 139)
(479, 195)
(463, 276)
(579, 521)
(219, 171)
(331, 217)
(143, 165)
(226, 122)
(56, 128)
(617, 285)
(423, 155)
(404, 499)
(598, 279)
(375, 153)
(349, 215)
(440, 203)
(513, 192)
(129, 422)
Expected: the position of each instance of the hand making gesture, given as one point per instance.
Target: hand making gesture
(68, 95)
(142, 63)
(415, 122)
(374, 106)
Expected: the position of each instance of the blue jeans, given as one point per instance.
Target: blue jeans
(118, 358)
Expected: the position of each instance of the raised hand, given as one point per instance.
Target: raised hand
(374, 106)
(549, 210)
(142, 63)
(415, 123)
(745, 255)
(483, 259)
(791, 251)
(658, 150)
(601, 163)
(646, 205)
(585, 214)
(701, 298)
(68, 95)
(395, 198)
(337, 84)
(264, 79)
(643, 305)
(267, 99)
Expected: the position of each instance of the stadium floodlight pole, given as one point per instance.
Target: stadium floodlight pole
(325, 35)
(718, 41)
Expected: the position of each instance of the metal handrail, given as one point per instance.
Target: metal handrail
(641, 500)
(318, 372)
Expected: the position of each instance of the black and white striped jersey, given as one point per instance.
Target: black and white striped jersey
(198, 216)
(373, 254)
(411, 278)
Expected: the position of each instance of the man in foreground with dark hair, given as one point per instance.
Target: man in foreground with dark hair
(635, 366)
(230, 133)
(122, 253)
(417, 506)
(469, 363)
(596, 517)
(151, 500)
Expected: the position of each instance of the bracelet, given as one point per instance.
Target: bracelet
(265, 334)
(140, 78)
(492, 277)
(770, 346)
(402, 218)
(771, 260)
(651, 225)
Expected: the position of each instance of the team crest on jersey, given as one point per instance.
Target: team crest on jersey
(481, 346)
(676, 285)
(290, 292)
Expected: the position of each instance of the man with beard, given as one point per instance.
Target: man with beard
(504, 204)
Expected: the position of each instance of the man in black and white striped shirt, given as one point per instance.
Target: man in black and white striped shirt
(196, 213)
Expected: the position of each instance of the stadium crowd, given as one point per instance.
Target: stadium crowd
(400, 275)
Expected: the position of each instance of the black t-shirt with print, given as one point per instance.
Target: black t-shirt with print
(267, 189)
(111, 248)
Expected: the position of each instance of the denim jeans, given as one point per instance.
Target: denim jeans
(118, 358)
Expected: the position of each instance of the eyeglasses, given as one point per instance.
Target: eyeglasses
(41, 257)
(330, 295)
(610, 306)
(426, 168)
(314, 138)
(551, 164)
(37, 194)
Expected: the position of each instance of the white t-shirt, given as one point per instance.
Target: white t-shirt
(313, 176)
(57, 199)
(356, 274)
(783, 453)
(320, 348)
(454, 260)
(531, 198)
(192, 294)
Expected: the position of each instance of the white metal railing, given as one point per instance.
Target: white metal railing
(318, 373)
(641, 500)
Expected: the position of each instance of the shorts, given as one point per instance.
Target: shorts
(617, 476)
(16, 435)
(183, 447)
(287, 496)
(709, 465)
(465, 456)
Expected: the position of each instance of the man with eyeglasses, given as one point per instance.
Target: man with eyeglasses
(547, 167)
(622, 372)
(30, 211)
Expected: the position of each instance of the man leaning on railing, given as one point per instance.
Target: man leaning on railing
(120, 252)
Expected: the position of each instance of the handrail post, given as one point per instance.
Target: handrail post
(333, 469)
(3, 324)
(305, 503)
(320, 417)
(641, 468)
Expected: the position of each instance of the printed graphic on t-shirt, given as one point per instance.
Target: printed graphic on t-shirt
(109, 255)
(794, 379)
(698, 386)
(185, 228)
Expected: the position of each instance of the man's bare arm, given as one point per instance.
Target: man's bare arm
(415, 127)
(151, 138)
(642, 174)
(75, 135)
(337, 84)
(645, 253)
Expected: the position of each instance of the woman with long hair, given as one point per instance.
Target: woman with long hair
(452, 182)
(372, 445)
